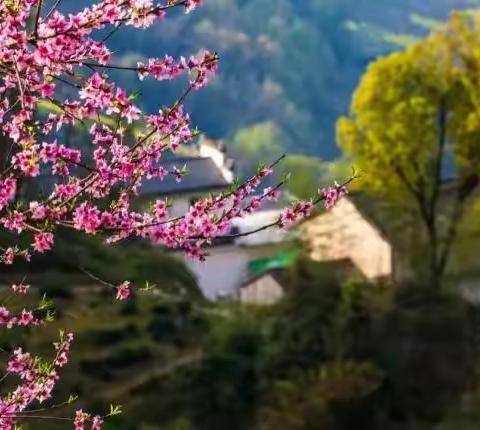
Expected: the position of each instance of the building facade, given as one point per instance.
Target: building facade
(344, 232)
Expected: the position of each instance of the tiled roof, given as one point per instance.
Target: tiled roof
(203, 175)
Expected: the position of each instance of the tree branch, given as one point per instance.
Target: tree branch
(37, 17)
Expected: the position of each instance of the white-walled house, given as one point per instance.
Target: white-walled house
(227, 266)
(209, 170)
(343, 233)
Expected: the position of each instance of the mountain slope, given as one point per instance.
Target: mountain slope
(294, 63)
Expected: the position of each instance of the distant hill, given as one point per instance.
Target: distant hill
(293, 63)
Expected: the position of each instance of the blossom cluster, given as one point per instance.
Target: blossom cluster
(61, 62)
(332, 194)
(37, 377)
(37, 381)
(63, 51)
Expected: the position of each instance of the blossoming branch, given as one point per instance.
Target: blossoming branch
(47, 56)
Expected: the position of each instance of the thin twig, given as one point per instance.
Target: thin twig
(37, 18)
(52, 9)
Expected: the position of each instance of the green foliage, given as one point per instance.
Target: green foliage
(395, 126)
(223, 388)
(307, 173)
(303, 402)
(263, 142)
(259, 142)
(76, 257)
(464, 259)
(332, 355)
(414, 122)
(424, 346)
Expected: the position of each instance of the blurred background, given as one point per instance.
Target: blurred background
(363, 317)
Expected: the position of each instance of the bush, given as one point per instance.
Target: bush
(111, 336)
(104, 368)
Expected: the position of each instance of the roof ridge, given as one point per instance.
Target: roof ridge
(185, 158)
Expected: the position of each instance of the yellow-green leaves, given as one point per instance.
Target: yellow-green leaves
(394, 122)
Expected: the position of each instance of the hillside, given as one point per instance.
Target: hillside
(290, 63)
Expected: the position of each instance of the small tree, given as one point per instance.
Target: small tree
(48, 58)
(415, 118)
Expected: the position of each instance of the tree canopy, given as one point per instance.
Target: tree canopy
(414, 127)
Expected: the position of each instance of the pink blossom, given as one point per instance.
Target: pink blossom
(190, 5)
(123, 291)
(80, 420)
(43, 242)
(287, 217)
(4, 315)
(62, 359)
(8, 188)
(20, 362)
(14, 222)
(8, 256)
(20, 288)
(97, 422)
(271, 194)
(87, 218)
(26, 318)
(332, 194)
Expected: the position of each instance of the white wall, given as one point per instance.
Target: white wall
(179, 205)
(259, 219)
(221, 275)
(208, 150)
(226, 268)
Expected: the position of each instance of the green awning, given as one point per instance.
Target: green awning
(277, 261)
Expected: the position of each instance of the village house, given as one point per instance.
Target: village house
(270, 286)
(344, 232)
(366, 231)
(383, 241)
(227, 265)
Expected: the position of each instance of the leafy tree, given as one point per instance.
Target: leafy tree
(258, 142)
(414, 122)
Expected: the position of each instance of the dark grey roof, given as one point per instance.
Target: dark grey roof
(203, 175)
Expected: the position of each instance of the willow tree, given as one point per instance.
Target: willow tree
(414, 122)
